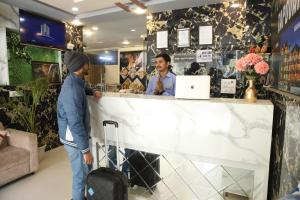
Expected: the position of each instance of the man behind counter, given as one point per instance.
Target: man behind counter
(165, 83)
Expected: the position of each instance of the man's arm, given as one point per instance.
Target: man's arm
(90, 91)
(74, 111)
(150, 87)
(172, 93)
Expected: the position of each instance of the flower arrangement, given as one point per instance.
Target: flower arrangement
(252, 65)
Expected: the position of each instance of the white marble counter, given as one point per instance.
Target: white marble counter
(225, 131)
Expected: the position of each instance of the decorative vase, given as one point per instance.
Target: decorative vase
(251, 93)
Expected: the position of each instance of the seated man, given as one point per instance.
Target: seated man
(165, 82)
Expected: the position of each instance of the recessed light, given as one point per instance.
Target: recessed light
(139, 11)
(95, 28)
(126, 42)
(77, 1)
(22, 19)
(75, 9)
(87, 32)
(235, 5)
(149, 17)
(100, 42)
(76, 22)
(132, 30)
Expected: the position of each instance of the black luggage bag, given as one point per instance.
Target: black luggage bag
(105, 183)
(141, 173)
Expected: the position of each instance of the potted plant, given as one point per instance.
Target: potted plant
(252, 66)
(23, 110)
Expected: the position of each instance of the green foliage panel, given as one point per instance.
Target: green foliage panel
(20, 58)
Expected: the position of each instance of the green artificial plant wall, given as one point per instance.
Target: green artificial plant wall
(20, 57)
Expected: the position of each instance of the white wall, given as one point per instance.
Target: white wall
(9, 18)
(4, 76)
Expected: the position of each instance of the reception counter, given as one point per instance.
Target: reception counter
(227, 133)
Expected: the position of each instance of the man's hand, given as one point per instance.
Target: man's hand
(97, 95)
(159, 89)
(88, 158)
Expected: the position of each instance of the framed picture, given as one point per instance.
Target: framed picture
(205, 35)
(45, 69)
(162, 39)
(184, 37)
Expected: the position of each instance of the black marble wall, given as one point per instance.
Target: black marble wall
(285, 161)
(234, 29)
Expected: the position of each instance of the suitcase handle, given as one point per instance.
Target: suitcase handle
(110, 122)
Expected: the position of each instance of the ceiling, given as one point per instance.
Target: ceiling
(114, 24)
(83, 5)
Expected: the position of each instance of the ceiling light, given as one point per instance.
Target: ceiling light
(95, 28)
(87, 32)
(22, 19)
(139, 11)
(235, 5)
(126, 42)
(77, 1)
(106, 52)
(76, 22)
(132, 30)
(100, 42)
(149, 17)
(75, 9)
(143, 36)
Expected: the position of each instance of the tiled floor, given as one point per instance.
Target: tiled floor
(53, 182)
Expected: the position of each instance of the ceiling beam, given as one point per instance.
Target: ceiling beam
(139, 4)
(123, 6)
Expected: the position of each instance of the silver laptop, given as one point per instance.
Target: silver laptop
(192, 87)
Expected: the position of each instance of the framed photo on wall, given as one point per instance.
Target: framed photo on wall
(184, 37)
(162, 40)
(47, 70)
(205, 35)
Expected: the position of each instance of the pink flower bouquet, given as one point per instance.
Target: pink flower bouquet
(252, 65)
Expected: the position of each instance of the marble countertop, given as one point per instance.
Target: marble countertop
(212, 100)
(229, 132)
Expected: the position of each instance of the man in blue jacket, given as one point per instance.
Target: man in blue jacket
(74, 121)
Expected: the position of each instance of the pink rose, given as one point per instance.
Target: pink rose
(253, 58)
(262, 68)
(241, 65)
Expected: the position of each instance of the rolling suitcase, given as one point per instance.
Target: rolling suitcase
(105, 183)
(144, 170)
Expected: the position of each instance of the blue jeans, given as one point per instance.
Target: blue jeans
(80, 171)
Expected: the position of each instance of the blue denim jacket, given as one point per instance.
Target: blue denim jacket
(73, 114)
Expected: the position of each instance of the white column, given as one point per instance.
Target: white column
(4, 76)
